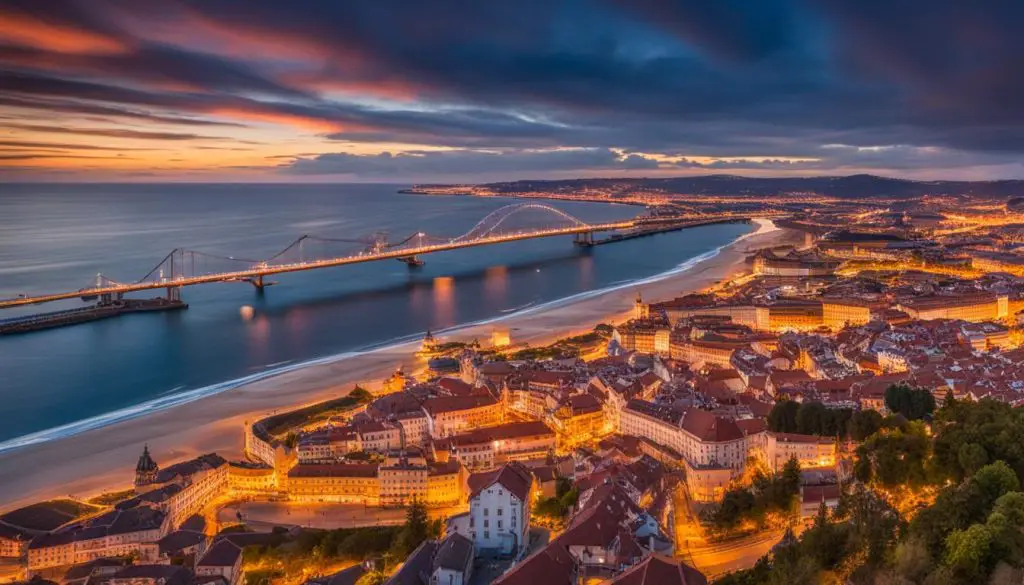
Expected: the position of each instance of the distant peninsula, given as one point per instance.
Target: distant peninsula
(650, 190)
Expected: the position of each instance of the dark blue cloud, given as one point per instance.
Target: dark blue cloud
(930, 80)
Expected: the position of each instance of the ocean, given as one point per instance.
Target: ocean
(59, 382)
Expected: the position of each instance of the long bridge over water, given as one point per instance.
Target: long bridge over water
(183, 267)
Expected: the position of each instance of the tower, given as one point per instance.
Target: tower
(145, 470)
(640, 310)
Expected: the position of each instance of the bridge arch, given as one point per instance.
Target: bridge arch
(494, 219)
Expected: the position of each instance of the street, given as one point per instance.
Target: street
(715, 558)
(265, 515)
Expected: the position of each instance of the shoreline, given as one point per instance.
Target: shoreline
(101, 458)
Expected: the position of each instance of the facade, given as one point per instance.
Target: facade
(968, 307)
(579, 419)
(809, 450)
(342, 483)
(499, 509)
(251, 479)
(713, 449)
(451, 415)
(223, 559)
(114, 534)
(838, 313)
(486, 448)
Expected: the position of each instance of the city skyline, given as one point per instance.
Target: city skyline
(219, 91)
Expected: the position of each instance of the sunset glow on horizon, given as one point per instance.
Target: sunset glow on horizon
(311, 91)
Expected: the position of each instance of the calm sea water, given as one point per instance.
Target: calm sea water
(56, 238)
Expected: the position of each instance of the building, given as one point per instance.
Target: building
(713, 449)
(453, 561)
(451, 415)
(837, 313)
(352, 483)
(151, 575)
(486, 448)
(117, 533)
(499, 509)
(793, 264)
(658, 569)
(809, 450)
(813, 496)
(251, 479)
(13, 542)
(145, 470)
(579, 419)
(965, 306)
(223, 559)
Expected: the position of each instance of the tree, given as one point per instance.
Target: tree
(782, 418)
(913, 403)
(972, 457)
(872, 521)
(864, 423)
(969, 553)
(415, 530)
(361, 394)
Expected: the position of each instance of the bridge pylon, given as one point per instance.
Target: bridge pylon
(585, 239)
(412, 261)
(174, 294)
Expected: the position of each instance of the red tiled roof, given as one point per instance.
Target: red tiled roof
(658, 569)
(708, 427)
(514, 476)
(444, 404)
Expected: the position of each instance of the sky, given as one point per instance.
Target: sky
(470, 91)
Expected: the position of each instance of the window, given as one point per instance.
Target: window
(499, 524)
(487, 535)
(487, 523)
(485, 511)
(499, 511)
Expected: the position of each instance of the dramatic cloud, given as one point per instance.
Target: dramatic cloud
(919, 88)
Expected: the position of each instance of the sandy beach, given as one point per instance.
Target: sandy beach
(103, 459)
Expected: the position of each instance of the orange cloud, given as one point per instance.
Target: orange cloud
(25, 30)
(282, 118)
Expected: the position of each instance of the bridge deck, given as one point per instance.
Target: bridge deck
(258, 271)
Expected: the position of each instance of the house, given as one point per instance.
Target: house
(551, 565)
(658, 569)
(416, 570)
(453, 561)
(813, 496)
(223, 559)
(152, 575)
(499, 509)
(347, 576)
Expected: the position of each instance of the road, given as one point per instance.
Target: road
(265, 515)
(714, 559)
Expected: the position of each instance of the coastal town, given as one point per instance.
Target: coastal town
(702, 437)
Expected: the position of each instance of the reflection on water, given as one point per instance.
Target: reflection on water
(444, 301)
(96, 368)
(496, 282)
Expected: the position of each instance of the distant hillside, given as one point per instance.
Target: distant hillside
(846, 187)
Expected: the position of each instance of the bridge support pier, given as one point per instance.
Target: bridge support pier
(174, 294)
(105, 298)
(584, 239)
(412, 261)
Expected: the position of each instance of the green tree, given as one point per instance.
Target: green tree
(782, 418)
(415, 530)
(864, 423)
(913, 403)
(969, 553)
(810, 418)
(972, 457)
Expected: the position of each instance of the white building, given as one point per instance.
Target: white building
(499, 510)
